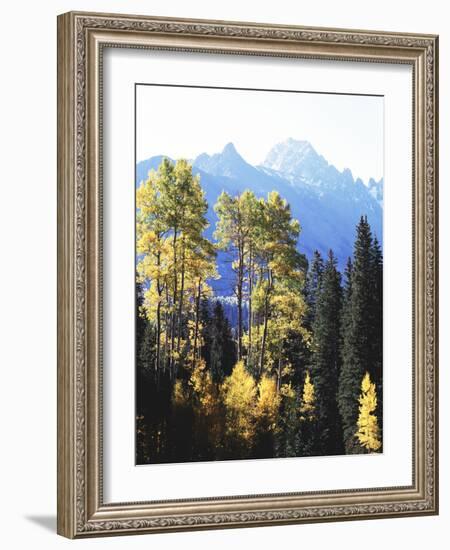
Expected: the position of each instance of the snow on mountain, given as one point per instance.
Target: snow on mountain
(376, 190)
(296, 159)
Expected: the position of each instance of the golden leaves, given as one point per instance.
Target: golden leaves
(368, 432)
(308, 398)
(268, 401)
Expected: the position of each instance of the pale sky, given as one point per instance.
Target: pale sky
(184, 122)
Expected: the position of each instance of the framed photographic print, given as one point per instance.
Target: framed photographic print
(247, 288)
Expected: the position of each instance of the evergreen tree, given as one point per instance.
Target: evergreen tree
(146, 351)
(325, 365)
(313, 279)
(346, 317)
(205, 321)
(377, 331)
(358, 327)
(140, 321)
(222, 354)
(143, 357)
(298, 350)
(297, 353)
(288, 436)
(348, 280)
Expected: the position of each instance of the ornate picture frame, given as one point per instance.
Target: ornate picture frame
(82, 38)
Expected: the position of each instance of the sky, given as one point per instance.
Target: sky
(346, 130)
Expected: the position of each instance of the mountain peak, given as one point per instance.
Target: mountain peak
(294, 157)
(230, 149)
(300, 144)
(227, 163)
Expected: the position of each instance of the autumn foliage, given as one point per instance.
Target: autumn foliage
(368, 433)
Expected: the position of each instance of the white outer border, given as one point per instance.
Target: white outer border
(123, 481)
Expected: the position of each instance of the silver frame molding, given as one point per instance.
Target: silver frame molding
(81, 37)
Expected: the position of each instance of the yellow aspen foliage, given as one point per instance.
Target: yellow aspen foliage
(268, 401)
(204, 388)
(206, 405)
(287, 391)
(286, 318)
(308, 398)
(368, 432)
(180, 395)
(239, 396)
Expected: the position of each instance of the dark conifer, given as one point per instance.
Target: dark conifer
(377, 320)
(222, 347)
(312, 284)
(205, 320)
(346, 317)
(325, 365)
(357, 349)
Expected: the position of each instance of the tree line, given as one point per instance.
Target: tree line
(298, 374)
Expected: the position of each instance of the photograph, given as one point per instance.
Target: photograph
(259, 273)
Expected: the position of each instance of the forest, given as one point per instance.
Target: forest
(296, 370)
